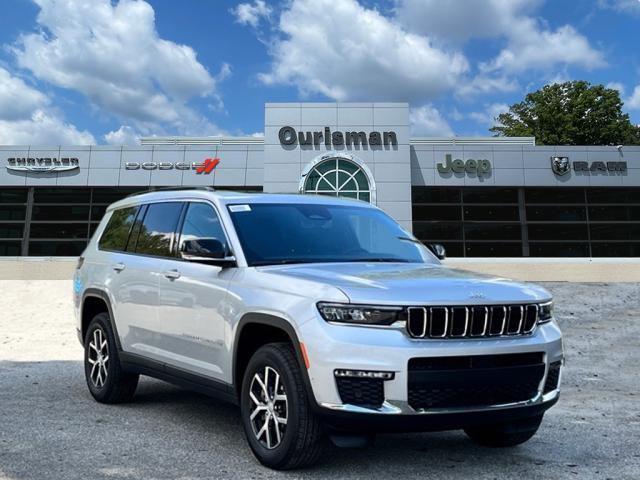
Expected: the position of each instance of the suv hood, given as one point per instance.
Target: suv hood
(413, 284)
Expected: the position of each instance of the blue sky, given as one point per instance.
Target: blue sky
(100, 71)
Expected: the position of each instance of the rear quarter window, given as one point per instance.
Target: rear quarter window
(116, 233)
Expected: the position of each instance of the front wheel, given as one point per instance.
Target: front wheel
(505, 434)
(281, 429)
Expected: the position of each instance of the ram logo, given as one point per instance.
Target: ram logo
(560, 165)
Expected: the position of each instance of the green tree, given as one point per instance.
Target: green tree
(570, 113)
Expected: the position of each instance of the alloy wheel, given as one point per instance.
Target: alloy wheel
(269, 408)
(98, 358)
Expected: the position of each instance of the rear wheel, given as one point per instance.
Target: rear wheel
(505, 434)
(106, 380)
(281, 429)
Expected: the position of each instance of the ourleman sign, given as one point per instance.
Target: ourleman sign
(288, 136)
(42, 164)
(470, 166)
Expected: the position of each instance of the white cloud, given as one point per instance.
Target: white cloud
(484, 84)
(17, 99)
(530, 48)
(343, 50)
(251, 14)
(113, 55)
(488, 117)
(125, 135)
(26, 117)
(530, 44)
(427, 121)
(42, 128)
(633, 102)
(459, 21)
(616, 86)
(624, 6)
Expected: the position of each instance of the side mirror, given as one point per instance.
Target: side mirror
(206, 250)
(438, 250)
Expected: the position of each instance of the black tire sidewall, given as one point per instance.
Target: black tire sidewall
(270, 356)
(102, 322)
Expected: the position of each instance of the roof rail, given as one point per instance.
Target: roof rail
(169, 189)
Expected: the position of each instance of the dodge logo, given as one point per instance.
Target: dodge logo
(560, 165)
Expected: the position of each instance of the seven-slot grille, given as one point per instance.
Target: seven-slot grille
(471, 322)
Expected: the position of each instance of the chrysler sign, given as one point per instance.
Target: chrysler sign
(42, 164)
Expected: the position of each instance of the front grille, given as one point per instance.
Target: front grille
(474, 381)
(471, 322)
(364, 392)
(553, 377)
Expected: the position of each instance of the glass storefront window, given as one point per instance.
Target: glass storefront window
(436, 212)
(490, 195)
(491, 213)
(60, 213)
(559, 249)
(10, 249)
(558, 213)
(13, 212)
(62, 195)
(11, 230)
(557, 231)
(59, 230)
(57, 248)
(436, 195)
(435, 231)
(492, 231)
(13, 195)
(493, 249)
(553, 195)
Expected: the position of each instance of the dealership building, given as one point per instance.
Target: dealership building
(479, 197)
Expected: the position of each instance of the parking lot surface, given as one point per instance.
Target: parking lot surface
(50, 427)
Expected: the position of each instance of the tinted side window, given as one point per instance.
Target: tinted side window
(158, 229)
(201, 221)
(117, 231)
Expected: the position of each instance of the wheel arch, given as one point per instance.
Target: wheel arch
(272, 328)
(95, 301)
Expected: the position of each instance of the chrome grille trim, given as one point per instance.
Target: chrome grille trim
(446, 322)
(480, 321)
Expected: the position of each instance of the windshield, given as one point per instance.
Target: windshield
(310, 233)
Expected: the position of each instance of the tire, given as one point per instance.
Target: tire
(296, 444)
(106, 380)
(505, 434)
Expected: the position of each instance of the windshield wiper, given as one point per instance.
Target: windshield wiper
(263, 263)
(378, 259)
(412, 240)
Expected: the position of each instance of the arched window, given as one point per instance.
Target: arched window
(338, 177)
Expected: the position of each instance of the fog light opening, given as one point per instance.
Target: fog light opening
(341, 373)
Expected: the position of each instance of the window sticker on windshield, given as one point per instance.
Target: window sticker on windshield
(239, 208)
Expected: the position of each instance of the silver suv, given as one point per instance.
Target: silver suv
(322, 318)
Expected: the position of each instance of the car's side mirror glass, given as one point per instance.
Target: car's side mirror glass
(209, 250)
(438, 250)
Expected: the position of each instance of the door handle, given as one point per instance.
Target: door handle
(171, 274)
(118, 267)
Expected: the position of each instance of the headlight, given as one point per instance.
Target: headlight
(545, 312)
(361, 314)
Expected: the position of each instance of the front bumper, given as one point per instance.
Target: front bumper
(389, 350)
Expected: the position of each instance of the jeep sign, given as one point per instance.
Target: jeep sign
(470, 166)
